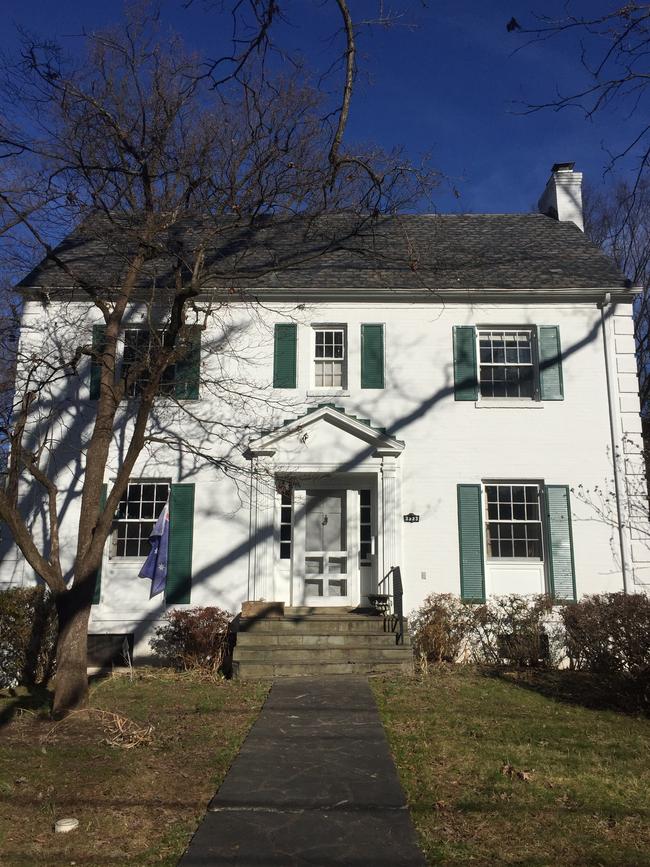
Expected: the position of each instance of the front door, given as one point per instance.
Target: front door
(326, 548)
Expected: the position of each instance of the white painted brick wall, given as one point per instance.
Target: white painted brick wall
(447, 443)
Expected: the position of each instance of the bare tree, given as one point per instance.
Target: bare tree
(618, 220)
(170, 171)
(613, 50)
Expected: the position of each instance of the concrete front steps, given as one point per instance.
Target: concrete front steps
(319, 641)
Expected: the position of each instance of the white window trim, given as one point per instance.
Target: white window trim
(318, 390)
(533, 402)
(113, 556)
(515, 562)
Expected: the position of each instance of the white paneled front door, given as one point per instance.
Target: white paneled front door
(326, 547)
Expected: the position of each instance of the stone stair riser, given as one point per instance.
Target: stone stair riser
(290, 639)
(258, 670)
(316, 625)
(322, 654)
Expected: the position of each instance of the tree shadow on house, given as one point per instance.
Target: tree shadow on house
(619, 692)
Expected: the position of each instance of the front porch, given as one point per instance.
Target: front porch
(312, 641)
(325, 525)
(325, 510)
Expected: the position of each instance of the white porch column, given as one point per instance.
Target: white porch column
(391, 508)
(263, 515)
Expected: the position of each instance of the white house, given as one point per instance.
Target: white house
(460, 407)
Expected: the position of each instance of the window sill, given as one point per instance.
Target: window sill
(126, 561)
(507, 403)
(328, 392)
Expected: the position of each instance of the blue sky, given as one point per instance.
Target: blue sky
(450, 87)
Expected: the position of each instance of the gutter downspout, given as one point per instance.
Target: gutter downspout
(606, 302)
(251, 541)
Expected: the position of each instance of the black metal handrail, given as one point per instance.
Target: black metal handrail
(397, 593)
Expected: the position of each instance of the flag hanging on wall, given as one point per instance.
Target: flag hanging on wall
(155, 566)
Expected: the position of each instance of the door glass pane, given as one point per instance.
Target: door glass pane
(313, 587)
(336, 565)
(325, 521)
(314, 565)
(337, 588)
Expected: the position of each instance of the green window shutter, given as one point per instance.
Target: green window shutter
(465, 378)
(470, 542)
(99, 332)
(551, 386)
(98, 573)
(372, 356)
(188, 369)
(181, 530)
(284, 355)
(559, 536)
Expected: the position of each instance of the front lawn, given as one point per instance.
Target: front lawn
(498, 770)
(137, 792)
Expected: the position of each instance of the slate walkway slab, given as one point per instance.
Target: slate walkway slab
(314, 784)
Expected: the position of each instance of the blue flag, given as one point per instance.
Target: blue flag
(155, 566)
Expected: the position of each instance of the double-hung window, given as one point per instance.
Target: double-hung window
(330, 356)
(516, 364)
(138, 345)
(513, 520)
(507, 363)
(138, 511)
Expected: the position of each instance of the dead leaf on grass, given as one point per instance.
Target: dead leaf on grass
(509, 771)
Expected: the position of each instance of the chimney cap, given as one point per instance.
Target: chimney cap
(562, 167)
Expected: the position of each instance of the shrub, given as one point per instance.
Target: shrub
(194, 639)
(609, 633)
(440, 627)
(28, 630)
(512, 629)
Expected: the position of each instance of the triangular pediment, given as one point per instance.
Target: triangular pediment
(326, 422)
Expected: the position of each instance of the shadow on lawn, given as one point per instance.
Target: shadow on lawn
(36, 699)
(617, 692)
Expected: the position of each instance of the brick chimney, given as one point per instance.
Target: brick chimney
(562, 198)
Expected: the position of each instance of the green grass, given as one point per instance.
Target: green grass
(497, 770)
(135, 806)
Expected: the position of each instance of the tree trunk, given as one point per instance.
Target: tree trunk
(71, 682)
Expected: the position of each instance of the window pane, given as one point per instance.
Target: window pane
(133, 510)
(132, 548)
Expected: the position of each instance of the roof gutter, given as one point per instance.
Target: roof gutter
(387, 294)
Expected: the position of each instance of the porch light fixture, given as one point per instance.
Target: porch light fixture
(411, 518)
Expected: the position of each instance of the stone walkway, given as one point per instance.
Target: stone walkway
(314, 784)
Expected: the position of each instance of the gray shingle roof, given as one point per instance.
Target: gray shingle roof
(438, 252)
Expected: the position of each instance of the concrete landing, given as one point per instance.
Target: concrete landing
(314, 784)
